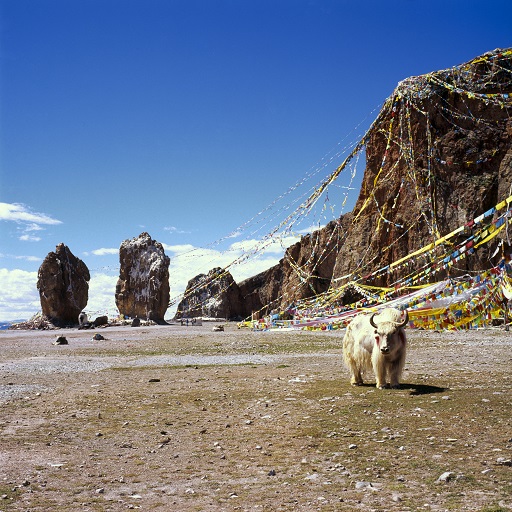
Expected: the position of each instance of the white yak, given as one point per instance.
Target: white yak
(376, 341)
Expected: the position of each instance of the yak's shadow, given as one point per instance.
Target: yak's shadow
(422, 389)
(415, 389)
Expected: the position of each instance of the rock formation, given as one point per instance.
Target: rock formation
(63, 284)
(143, 289)
(212, 295)
(438, 155)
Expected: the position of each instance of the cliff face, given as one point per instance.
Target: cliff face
(438, 155)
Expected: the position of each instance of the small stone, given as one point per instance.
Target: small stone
(271, 473)
(352, 446)
(100, 491)
(4, 496)
(501, 461)
(446, 476)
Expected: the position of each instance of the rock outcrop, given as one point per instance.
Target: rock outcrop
(63, 284)
(212, 295)
(438, 155)
(143, 289)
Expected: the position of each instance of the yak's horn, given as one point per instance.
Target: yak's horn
(372, 322)
(406, 319)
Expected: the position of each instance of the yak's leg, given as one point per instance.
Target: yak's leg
(379, 368)
(394, 374)
(355, 373)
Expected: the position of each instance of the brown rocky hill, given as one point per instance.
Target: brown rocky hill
(438, 155)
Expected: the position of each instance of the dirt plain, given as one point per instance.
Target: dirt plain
(182, 418)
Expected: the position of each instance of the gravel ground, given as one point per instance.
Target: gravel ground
(177, 418)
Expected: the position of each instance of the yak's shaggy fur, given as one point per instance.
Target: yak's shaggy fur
(376, 341)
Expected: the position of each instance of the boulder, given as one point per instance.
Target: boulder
(63, 284)
(101, 320)
(143, 289)
(212, 295)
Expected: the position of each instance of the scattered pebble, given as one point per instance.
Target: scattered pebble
(368, 485)
(446, 476)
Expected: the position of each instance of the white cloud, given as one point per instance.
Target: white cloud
(20, 257)
(102, 288)
(103, 251)
(310, 229)
(28, 220)
(33, 227)
(174, 229)
(20, 298)
(30, 238)
(17, 212)
(178, 249)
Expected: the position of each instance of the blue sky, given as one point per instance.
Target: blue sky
(188, 118)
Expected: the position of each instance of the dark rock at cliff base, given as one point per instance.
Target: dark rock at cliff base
(101, 320)
(143, 289)
(63, 284)
(212, 295)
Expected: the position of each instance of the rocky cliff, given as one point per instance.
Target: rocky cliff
(438, 155)
(143, 289)
(63, 284)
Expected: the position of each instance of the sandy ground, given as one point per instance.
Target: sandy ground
(183, 418)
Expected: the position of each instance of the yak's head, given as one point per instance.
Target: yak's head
(388, 333)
